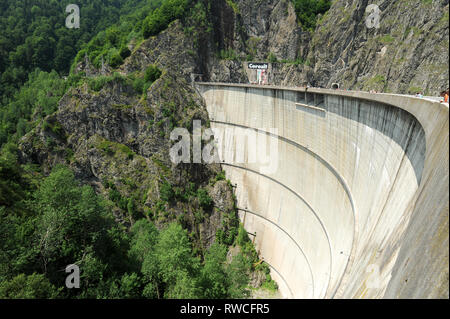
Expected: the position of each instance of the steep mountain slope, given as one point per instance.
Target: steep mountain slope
(407, 53)
(117, 139)
(113, 130)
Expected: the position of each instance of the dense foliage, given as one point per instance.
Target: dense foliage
(34, 35)
(111, 44)
(37, 98)
(31, 82)
(36, 49)
(52, 222)
(161, 17)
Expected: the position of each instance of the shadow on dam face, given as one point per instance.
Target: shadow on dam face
(358, 179)
(395, 123)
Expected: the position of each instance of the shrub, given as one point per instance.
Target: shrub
(114, 195)
(166, 192)
(152, 73)
(124, 52)
(116, 60)
(272, 58)
(96, 84)
(203, 198)
(242, 236)
(228, 54)
(138, 85)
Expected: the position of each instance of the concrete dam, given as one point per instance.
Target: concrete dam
(356, 205)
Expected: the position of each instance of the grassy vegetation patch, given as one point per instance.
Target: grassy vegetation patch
(112, 148)
(308, 10)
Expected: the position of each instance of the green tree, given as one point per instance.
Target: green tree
(174, 253)
(36, 37)
(142, 252)
(185, 287)
(242, 236)
(12, 183)
(237, 273)
(28, 287)
(73, 227)
(159, 19)
(166, 191)
(214, 280)
(126, 287)
(175, 257)
(204, 199)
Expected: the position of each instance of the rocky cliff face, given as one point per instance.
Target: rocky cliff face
(404, 49)
(405, 53)
(118, 140)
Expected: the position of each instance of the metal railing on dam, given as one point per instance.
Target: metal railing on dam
(355, 203)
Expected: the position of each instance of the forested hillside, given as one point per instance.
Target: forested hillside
(35, 42)
(137, 225)
(60, 223)
(34, 35)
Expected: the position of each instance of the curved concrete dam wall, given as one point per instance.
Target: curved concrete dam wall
(347, 196)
